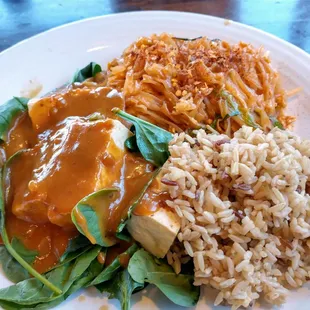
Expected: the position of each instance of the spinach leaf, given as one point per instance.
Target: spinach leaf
(28, 255)
(75, 245)
(276, 122)
(32, 291)
(71, 257)
(94, 269)
(42, 306)
(151, 140)
(121, 287)
(12, 269)
(87, 72)
(87, 220)
(131, 144)
(8, 111)
(143, 267)
(110, 271)
(5, 238)
(124, 221)
(123, 235)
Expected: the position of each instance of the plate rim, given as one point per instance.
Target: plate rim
(184, 14)
(303, 55)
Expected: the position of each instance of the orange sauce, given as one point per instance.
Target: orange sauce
(81, 220)
(115, 251)
(50, 241)
(74, 102)
(101, 258)
(66, 161)
(81, 298)
(20, 136)
(124, 259)
(152, 200)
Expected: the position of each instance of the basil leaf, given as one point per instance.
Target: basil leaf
(121, 287)
(110, 271)
(8, 111)
(276, 122)
(143, 267)
(89, 222)
(151, 140)
(87, 72)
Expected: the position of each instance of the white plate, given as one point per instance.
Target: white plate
(52, 57)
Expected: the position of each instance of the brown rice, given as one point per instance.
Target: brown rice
(244, 212)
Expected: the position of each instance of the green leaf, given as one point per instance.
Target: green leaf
(110, 271)
(131, 144)
(87, 72)
(28, 255)
(8, 111)
(12, 269)
(234, 109)
(276, 122)
(75, 245)
(124, 221)
(143, 267)
(94, 226)
(32, 291)
(151, 140)
(94, 269)
(249, 120)
(121, 287)
(3, 177)
(41, 306)
(231, 104)
(214, 123)
(123, 235)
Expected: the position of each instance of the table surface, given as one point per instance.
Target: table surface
(287, 19)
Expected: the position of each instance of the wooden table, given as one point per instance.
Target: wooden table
(287, 19)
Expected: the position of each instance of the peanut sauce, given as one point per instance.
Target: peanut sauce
(66, 159)
(153, 199)
(101, 258)
(117, 250)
